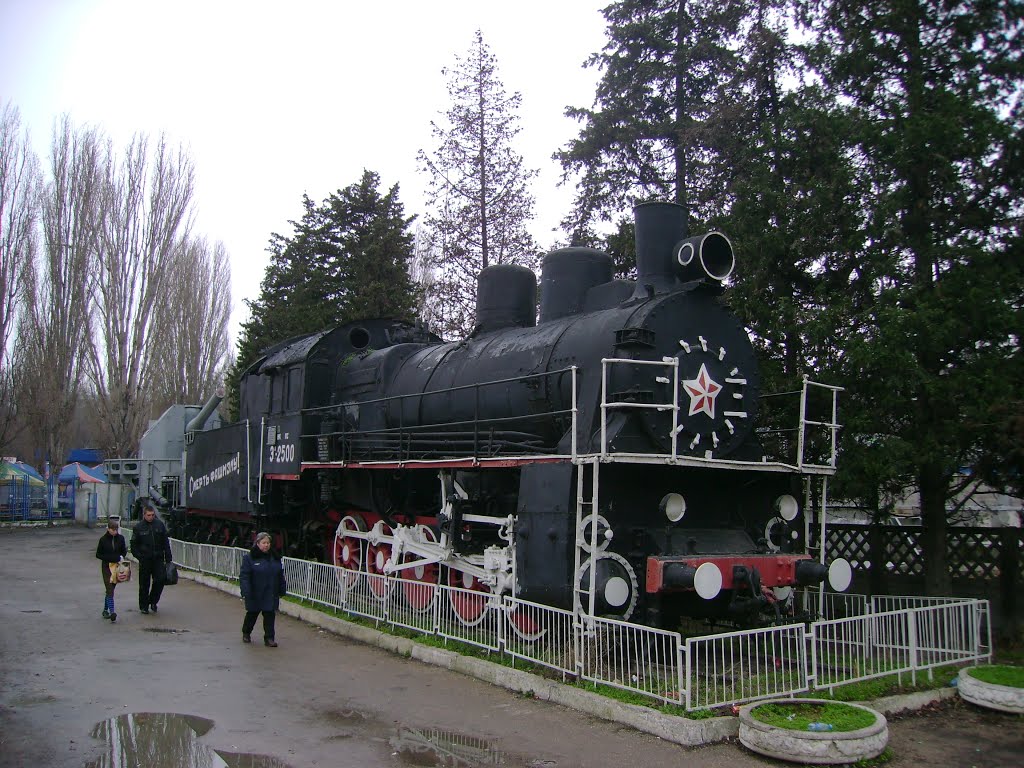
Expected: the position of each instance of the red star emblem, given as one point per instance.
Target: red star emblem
(702, 391)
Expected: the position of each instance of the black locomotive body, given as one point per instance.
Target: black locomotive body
(603, 457)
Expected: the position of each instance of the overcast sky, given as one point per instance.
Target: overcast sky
(273, 100)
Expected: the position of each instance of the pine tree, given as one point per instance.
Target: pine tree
(478, 191)
(373, 235)
(347, 258)
(782, 181)
(645, 138)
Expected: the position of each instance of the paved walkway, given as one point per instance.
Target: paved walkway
(320, 699)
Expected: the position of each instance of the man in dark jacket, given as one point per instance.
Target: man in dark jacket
(152, 548)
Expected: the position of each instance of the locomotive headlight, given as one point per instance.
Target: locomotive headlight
(673, 505)
(786, 507)
(707, 581)
(840, 574)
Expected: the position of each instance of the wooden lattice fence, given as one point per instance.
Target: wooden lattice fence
(889, 559)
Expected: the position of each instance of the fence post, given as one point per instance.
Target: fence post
(688, 672)
(876, 552)
(1009, 579)
(912, 641)
(811, 641)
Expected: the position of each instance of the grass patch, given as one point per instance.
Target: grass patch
(631, 697)
(798, 716)
(998, 674)
(890, 685)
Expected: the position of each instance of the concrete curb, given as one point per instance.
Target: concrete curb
(909, 702)
(991, 695)
(678, 730)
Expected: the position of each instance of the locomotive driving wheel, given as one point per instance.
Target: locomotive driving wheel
(419, 584)
(469, 598)
(377, 555)
(525, 622)
(615, 583)
(348, 550)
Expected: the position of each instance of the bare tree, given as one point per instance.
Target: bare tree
(54, 321)
(146, 210)
(19, 189)
(192, 346)
(423, 275)
(478, 188)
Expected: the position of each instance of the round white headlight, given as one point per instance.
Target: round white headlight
(707, 581)
(786, 507)
(674, 507)
(840, 575)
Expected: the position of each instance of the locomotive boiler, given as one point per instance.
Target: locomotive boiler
(601, 455)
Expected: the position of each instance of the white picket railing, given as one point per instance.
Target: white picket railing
(901, 641)
(632, 657)
(748, 665)
(891, 636)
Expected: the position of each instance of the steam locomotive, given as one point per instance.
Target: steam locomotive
(606, 455)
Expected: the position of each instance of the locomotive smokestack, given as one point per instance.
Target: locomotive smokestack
(659, 226)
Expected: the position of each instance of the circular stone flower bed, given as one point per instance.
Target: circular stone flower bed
(993, 686)
(797, 730)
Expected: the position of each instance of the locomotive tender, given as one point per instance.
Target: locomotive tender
(601, 456)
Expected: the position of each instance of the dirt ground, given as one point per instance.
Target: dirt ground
(318, 699)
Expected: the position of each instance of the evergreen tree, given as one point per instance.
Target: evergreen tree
(373, 236)
(931, 347)
(348, 258)
(478, 189)
(728, 128)
(873, 196)
(783, 182)
(663, 67)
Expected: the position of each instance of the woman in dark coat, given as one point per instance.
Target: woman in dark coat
(111, 550)
(263, 584)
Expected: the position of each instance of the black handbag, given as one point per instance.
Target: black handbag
(171, 574)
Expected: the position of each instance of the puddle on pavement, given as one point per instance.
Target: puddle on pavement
(423, 746)
(434, 747)
(164, 740)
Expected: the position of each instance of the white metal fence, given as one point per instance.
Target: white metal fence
(734, 667)
(868, 638)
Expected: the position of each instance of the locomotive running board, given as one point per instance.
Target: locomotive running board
(612, 458)
(506, 461)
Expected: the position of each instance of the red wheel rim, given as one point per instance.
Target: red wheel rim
(348, 550)
(469, 608)
(376, 556)
(524, 625)
(419, 585)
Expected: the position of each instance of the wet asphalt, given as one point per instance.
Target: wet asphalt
(316, 700)
(180, 689)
